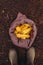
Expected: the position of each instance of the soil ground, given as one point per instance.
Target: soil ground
(9, 9)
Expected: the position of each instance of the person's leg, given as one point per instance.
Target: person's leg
(30, 56)
(13, 57)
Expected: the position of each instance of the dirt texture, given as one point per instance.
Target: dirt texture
(9, 9)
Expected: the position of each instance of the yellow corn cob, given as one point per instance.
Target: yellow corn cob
(24, 26)
(22, 36)
(23, 31)
(27, 31)
(18, 29)
(27, 25)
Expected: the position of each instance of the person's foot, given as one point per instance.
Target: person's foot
(13, 57)
(30, 56)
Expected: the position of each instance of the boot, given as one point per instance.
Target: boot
(13, 57)
(30, 56)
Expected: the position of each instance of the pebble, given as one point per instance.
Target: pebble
(3, 11)
(3, 31)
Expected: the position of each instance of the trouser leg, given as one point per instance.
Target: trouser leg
(30, 56)
(13, 57)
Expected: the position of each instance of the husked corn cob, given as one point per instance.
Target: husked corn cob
(23, 31)
(28, 30)
(25, 26)
(18, 29)
(23, 36)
